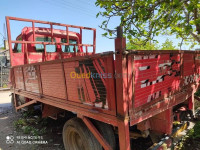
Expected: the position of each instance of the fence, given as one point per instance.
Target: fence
(4, 71)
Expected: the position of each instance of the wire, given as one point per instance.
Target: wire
(61, 5)
(68, 5)
(2, 35)
(89, 9)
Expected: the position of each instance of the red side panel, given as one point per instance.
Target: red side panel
(91, 82)
(34, 57)
(53, 56)
(155, 76)
(17, 59)
(53, 83)
(157, 82)
(189, 75)
(18, 72)
(84, 82)
(31, 78)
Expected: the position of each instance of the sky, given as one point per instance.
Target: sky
(75, 12)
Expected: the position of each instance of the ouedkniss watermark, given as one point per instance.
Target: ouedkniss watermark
(101, 75)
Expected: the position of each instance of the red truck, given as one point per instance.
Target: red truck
(135, 94)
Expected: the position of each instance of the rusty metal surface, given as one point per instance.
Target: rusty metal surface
(51, 111)
(84, 110)
(26, 104)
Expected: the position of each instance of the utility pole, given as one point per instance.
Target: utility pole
(4, 29)
(1, 74)
(5, 38)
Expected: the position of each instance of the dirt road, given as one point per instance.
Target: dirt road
(13, 139)
(5, 101)
(7, 130)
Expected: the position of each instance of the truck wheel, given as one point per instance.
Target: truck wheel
(107, 132)
(13, 103)
(76, 136)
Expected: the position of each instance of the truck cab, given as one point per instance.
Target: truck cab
(49, 44)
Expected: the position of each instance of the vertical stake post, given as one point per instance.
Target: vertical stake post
(121, 90)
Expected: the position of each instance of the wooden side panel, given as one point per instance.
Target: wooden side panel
(91, 82)
(71, 83)
(85, 82)
(86, 86)
(53, 83)
(189, 75)
(31, 78)
(155, 76)
(158, 81)
(19, 81)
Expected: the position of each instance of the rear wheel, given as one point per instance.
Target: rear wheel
(13, 103)
(76, 136)
(107, 132)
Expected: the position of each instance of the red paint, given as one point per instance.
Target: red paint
(29, 35)
(153, 82)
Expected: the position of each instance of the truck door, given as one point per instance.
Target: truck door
(17, 53)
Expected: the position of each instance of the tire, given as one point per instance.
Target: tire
(18, 100)
(107, 132)
(13, 103)
(76, 136)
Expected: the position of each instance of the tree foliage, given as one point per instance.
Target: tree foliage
(145, 19)
(167, 45)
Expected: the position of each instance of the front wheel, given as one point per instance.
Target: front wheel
(76, 136)
(13, 103)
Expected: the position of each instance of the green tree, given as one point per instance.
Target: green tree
(137, 45)
(145, 19)
(167, 45)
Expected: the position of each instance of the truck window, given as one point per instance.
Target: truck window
(18, 47)
(69, 48)
(40, 47)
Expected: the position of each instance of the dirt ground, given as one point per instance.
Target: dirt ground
(52, 140)
(7, 130)
(13, 139)
(5, 101)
